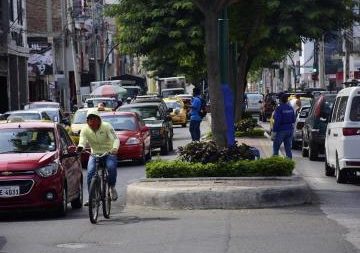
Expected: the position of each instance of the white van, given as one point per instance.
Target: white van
(254, 102)
(342, 141)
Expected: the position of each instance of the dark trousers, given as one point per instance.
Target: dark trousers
(195, 130)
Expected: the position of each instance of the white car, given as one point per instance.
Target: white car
(299, 124)
(342, 139)
(254, 102)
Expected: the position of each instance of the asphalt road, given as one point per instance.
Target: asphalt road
(328, 225)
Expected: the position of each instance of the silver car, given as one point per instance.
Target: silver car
(299, 124)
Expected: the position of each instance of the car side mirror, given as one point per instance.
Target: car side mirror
(322, 119)
(144, 129)
(71, 150)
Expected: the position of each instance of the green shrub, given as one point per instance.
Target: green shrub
(209, 152)
(245, 125)
(255, 132)
(273, 166)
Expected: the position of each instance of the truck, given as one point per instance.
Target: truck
(168, 84)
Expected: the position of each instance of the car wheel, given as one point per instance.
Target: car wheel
(164, 150)
(142, 160)
(330, 172)
(171, 145)
(304, 151)
(340, 174)
(148, 155)
(62, 209)
(313, 152)
(78, 202)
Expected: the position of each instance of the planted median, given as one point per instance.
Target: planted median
(205, 159)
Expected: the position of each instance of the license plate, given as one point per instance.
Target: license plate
(9, 191)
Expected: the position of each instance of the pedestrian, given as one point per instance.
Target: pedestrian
(195, 118)
(282, 132)
(101, 138)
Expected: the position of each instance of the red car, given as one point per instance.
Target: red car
(133, 134)
(39, 168)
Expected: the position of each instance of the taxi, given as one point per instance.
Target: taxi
(178, 114)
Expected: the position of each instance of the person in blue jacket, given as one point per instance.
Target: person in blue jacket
(284, 119)
(195, 118)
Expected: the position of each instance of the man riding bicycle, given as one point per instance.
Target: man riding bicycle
(102, 138)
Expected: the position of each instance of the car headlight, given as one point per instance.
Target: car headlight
(48, 170)
(132, 141)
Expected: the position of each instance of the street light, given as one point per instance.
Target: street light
(105, 61)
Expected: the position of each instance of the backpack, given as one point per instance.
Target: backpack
(203, 110)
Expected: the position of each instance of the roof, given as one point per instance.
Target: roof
(349, 90)
(34, 110)
(139, 105)
(118, 113)
(28, 124)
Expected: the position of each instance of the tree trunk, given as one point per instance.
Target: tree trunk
(242, 72)
(218, 124)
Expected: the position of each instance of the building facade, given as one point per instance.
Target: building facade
(13, 55)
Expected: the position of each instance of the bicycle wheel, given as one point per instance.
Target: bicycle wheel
(94, 200)
(106, 199)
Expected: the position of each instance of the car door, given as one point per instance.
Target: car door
(70, 163)
(335, 130)
(329, 141)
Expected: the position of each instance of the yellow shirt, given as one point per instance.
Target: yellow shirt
(101, 141)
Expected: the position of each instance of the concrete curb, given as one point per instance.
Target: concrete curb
(218, 193)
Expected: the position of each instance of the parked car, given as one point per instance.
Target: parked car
(34, 114)
(39, 167)
(186, 98)
(178, 114)
(299, 124)
(156, 117)
(314, 129)
(134, 135)
(342, 140)
(254, 102)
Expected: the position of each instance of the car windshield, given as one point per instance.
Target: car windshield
(170, 93)
(144, 112)
(27, 140)
(106, 102)
(173, 105)
(120, 123)
(80, 117)
(43, 105)
(54, 115)
(25, 116)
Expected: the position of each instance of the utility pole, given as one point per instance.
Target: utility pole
(321, 63)
(346, 61)
(94, 37)
(71, 21)
(65, 94)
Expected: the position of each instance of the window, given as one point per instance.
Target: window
(355, 109)
(11, 10)
(340, 114)
(333, 116)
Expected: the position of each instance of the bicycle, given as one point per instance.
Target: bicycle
(99, 191)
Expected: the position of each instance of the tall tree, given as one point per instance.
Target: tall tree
(169, 33)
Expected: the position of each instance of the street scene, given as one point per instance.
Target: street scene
(179, 126)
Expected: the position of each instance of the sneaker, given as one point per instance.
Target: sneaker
(113, 193)
(86, 203)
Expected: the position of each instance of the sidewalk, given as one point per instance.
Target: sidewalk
(221, 193)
